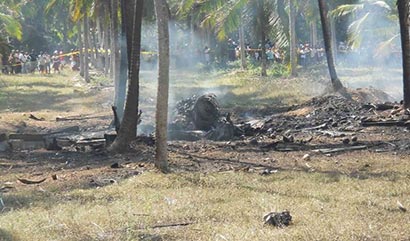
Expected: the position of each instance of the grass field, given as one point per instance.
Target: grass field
(346, 197)
(219, 206)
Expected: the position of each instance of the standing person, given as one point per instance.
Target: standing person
(10, 63)
(23, 60)
(207, 55)
(47, 58)
(62, 60)
(41, 63)
(33, 61)
(56, 62)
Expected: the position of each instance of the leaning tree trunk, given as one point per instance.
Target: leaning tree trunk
(292, 36)
(86, 48)
(132, 11)
(336, 84)
(161, 157)
(403, 7)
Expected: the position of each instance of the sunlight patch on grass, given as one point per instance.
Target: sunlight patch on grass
(218, 206)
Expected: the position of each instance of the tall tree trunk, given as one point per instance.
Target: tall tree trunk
(242, 42)
(403, 7)
(95, 52)
(313, 33)
(334, 40)
(107, 32)
(81, 47)
(86, 48)
(262, 21)
(292, 35)
(132, 12)
(161, 157)
(118, 62)
(336, 84)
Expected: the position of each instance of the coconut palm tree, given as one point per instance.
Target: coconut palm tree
(9, 19)
(132, 21)
(403, 9)
(161, 157)
(336, 83)
(374, 27)
(225, 17)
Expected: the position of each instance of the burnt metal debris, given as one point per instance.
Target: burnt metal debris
(278, 219)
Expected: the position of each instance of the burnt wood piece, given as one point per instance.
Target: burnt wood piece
(116, 119)
(33, 117)
(28, 182)
(27, 137)
(341, 149)
(386, 123)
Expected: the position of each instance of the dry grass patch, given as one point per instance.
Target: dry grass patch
(220, 206)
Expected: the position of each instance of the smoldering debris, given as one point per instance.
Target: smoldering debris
(328, 124)
(199, 117)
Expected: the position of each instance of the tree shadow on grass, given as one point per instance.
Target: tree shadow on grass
(34, 100)
(7, 236)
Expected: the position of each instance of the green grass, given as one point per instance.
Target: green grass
(220, 206)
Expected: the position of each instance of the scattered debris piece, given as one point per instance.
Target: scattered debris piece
(268, 171)
(33, 117)
(29, 182)
(116, 165)
(277, 219)
(172, 225)
(306, 157)
(54, 177)
(334, 150)
(401, 207)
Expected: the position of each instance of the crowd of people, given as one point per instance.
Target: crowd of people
(23, 62)
(307, 54)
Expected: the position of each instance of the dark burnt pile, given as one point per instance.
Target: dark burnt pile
(328, 112)
(182, 119)
(200, 117)
(330, 119)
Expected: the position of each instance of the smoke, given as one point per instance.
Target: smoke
(372, 55)
(187, 62)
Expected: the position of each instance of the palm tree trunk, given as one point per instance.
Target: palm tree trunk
(403, 8)
(119, 84)
(262, 21)
(80, 47)
(95, 53)
(86, 47)
(313, 33)
(336, 84)
(292, 35)
(161, 157)
(333, 37)
(107, 32)
(132, 15)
